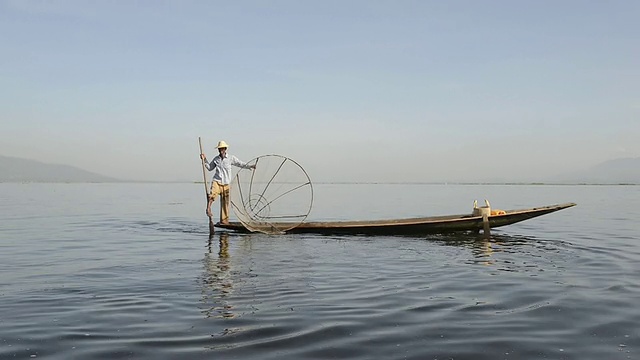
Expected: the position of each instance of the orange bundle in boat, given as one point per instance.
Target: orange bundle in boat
(498, 212)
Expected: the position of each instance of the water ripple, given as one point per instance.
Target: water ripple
(137, 277)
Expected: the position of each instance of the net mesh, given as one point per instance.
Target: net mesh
(274, 197)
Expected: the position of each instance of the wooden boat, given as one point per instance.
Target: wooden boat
(416, 226)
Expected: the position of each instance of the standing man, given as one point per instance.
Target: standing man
(221, 166)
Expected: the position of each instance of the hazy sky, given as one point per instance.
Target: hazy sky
(352, 90)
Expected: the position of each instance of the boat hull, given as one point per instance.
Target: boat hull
(415, 226)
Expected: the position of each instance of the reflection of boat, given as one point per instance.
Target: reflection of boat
(423, 225)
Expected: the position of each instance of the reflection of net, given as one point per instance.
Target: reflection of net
(275, 197)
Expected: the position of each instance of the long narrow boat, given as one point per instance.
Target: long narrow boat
(416, 226)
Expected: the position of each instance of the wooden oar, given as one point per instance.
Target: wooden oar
(206, 188)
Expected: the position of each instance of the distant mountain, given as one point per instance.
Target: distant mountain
(617, 171)
(14, 169)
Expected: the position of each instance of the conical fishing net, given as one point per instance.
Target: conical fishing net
(275, 197)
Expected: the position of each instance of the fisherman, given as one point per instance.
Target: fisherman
(221, 166)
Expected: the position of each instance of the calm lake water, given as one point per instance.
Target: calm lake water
(127, 271)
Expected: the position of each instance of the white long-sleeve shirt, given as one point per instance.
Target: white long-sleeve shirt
(222, 167)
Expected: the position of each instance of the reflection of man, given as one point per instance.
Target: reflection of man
(224, 246)
(216, 281)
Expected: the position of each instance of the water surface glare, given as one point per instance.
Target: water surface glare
(128, 271)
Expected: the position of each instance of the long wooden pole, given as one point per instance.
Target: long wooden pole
(206, 188)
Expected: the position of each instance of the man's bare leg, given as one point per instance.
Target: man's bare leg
(209, 214)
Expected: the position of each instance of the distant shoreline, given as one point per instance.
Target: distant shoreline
(338, 183)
